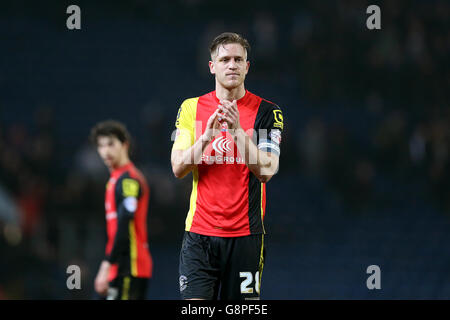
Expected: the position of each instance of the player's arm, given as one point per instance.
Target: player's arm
(186, 153)
(262, 158)
(127, 195)
(101, 280)
(183, 161)
(263, 164)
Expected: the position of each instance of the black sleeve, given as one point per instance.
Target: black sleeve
(128, 191)
(268, 127)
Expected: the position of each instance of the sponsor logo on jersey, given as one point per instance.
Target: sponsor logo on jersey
(222, 145)
(218, 159)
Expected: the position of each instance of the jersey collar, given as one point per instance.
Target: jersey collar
(241, 101)
(122, 169)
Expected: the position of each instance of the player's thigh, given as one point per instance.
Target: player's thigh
(198, 270)
(243, 274)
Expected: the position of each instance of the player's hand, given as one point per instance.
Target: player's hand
(213, 125)
(230, 113)
(101, 281)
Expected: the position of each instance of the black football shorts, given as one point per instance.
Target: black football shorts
(127, 288)
(220, 267)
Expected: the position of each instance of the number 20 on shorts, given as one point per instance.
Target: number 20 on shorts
(247, 282)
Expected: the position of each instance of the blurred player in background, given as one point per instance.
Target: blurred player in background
(127, 267)
(229, 139)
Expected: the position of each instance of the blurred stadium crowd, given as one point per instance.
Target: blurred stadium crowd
(367, 117)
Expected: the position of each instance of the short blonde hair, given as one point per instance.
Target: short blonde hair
(226, 38)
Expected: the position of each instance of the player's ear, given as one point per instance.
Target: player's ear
(248, 66)
(211, 67)
(126, 145)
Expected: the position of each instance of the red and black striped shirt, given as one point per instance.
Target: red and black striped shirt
(227, 199)
(126, 204)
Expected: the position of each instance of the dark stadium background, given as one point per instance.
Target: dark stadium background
(365, 163)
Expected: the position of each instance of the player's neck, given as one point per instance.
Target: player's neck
(230, 94)
(121, 163)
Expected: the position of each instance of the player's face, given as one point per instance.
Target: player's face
(111, 150)
(230, 65)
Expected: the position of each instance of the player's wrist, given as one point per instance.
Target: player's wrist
(208, 135)
(205, 137)
(237, 131)
(105, 264)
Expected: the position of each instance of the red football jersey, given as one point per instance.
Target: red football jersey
(227, 199)
(126, 204)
